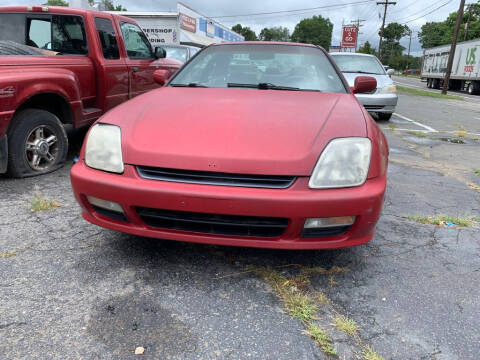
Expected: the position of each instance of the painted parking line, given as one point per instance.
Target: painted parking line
(428, 128)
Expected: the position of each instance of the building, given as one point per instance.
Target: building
(184, 26)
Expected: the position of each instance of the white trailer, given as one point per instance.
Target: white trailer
(465, 70)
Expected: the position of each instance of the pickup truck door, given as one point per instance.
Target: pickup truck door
(140, 59)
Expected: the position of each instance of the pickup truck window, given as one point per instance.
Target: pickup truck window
(107, 38)
(56, 34)
(136, 43)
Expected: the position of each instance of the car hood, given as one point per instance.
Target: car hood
(247, 131)
(382, 80)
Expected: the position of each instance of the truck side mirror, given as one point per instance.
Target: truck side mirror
(160, 52)
(161, 76)
(390, 72)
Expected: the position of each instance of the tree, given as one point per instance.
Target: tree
(56, 3)
(246, 32)
(441, 33)
(276, 33)
(391, 34)
(315, 30)
(367, 49)
(109, 6)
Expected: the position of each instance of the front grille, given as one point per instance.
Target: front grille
(216, 178)
(214, 223)
(373, 107)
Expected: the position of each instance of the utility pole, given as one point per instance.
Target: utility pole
(409, 44)
(384, 3)
(446, 81)
(358, 25)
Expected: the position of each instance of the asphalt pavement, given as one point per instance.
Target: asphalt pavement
(71, 290)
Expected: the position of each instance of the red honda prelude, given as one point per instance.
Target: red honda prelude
(249, 144)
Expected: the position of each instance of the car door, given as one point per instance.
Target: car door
(140, 59)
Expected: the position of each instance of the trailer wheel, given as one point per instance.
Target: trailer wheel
(37, 143)
(429, 83)
(472, 88)
(435, 83)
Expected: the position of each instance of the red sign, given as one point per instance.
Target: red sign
(349, 37)
(188, 23)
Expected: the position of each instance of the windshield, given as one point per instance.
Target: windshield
(176, 53)
(359, 64)
(278, 67)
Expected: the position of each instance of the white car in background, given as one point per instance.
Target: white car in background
(381, 101)
(182, 53)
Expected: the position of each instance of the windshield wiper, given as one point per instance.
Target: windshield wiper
(263, 86)
(361, 72)
(189, 85)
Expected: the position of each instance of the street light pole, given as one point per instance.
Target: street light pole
(446, 81)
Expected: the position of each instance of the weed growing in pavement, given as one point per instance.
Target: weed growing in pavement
(40, 203)
(392, 127)
(465, 221)
(8, 254)
(322, 338)
(476, 171)
(417, 134)
(321, 298)
(460, 133)
(346, 325)
(370, 354)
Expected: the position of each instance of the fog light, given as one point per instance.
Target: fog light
(316, 223)
(105, 204)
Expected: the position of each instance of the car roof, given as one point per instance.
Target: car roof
(264, 43)
(351, 54)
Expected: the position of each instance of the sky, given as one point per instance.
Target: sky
(414, 13)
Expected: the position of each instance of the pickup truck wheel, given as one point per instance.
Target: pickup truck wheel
(37, 142)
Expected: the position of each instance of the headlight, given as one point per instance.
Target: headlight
(343, 163)
(388, 89)
(104, 148)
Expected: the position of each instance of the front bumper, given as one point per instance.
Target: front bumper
(295, 203)
(384, 103)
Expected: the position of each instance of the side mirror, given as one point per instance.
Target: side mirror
(161, 76)
(390, 72)
(160, 52)
(364, 84)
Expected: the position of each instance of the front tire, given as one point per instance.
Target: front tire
(37, 143)
(384, 116)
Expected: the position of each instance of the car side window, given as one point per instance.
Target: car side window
(68, 35)
(40, 34)
(108, 40)
(136, 43)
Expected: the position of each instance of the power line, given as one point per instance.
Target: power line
(438, 8)
(295, 10)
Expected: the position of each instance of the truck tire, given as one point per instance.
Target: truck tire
(429, 83)
(37, 143)
(473, 88)
(435, 84)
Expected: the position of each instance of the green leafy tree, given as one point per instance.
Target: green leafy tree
(246, 32)
(315, 30)
(367, 49)
(392, 33)
(441, 33)
(276, 33)
(56, 3)
(110, 6)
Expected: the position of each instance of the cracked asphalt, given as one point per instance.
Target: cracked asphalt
(71, 290)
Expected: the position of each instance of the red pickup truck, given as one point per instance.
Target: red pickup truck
(63, 67)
